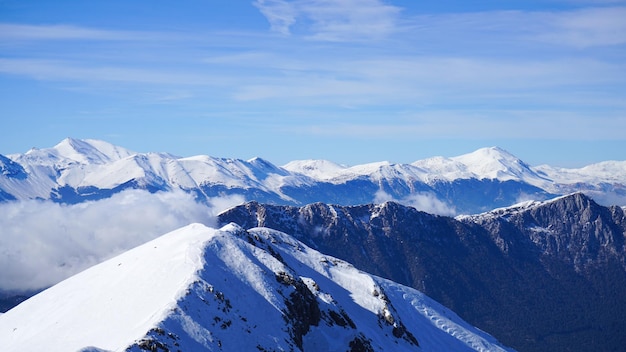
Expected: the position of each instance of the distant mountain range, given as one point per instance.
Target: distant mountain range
(539, 276)
(77, 170)
(536, 256)
(201, 289)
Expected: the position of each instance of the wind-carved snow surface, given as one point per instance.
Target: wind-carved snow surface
(198, 288)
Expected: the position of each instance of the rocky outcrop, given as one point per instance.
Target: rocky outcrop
(540, 276)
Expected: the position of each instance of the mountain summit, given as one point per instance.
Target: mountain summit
(78, 170)
(497, 163)
(201, 289)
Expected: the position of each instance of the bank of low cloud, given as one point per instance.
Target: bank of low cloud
(42, 243)
(422, 201)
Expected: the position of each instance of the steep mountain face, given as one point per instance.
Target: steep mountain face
(78, 170)
(539, 276)
(11, 169)
(580, 246)
(201, 289)
(574, 230)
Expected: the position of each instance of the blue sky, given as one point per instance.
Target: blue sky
(351, 81)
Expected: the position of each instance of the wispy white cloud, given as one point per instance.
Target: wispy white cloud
(425, 72)
(11, 31)
(584, 27)
(95, 72)
(265, 69)
(43, 242)
(429, 124)
(281, 14)
(351, 19)
(332, 20)
(422, 201)
(591, 27)
(420, 81)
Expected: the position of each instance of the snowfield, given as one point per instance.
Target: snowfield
(111, 304)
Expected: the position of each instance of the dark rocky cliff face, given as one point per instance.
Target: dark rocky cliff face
(574, 229)
(541, 278)
(579, 250)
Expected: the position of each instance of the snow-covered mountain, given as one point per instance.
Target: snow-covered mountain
(77, 170)
(539, 276)
(201, 289)
(485, 163)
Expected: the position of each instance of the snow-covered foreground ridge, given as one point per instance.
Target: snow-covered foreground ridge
(76, 170)
(198, 289)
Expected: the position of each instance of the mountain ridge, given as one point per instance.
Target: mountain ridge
(78, 170)
(538, 275)
(232, 289)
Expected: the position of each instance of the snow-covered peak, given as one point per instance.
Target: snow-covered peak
(384, 170)
(606, 171)
(520, 207)
(71, 150)
(324, 170)
(256, 172)
(316, 169)
(495, 163)
(265, 167)
(202, 289)
(90, 151)
(484, 163)
(440, 167)
(80, 169)
(495, 157)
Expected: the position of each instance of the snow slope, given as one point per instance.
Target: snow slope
(317, 169)
(94, 166)
(606, 171)
(78, 170)
(485, 163)
(198, 288)
(110, 304)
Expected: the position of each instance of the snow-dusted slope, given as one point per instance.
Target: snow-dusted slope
(317, 169)
(521, 273)
(200, 289)
(85, 168)
(484, 163)
(88, 151)
(606, 171)
(323, 170)
(67, 163)
(111, 304)
(79, 170)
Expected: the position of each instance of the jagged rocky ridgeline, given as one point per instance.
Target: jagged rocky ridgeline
(539, 276)
(78, 170)
(201, 289)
